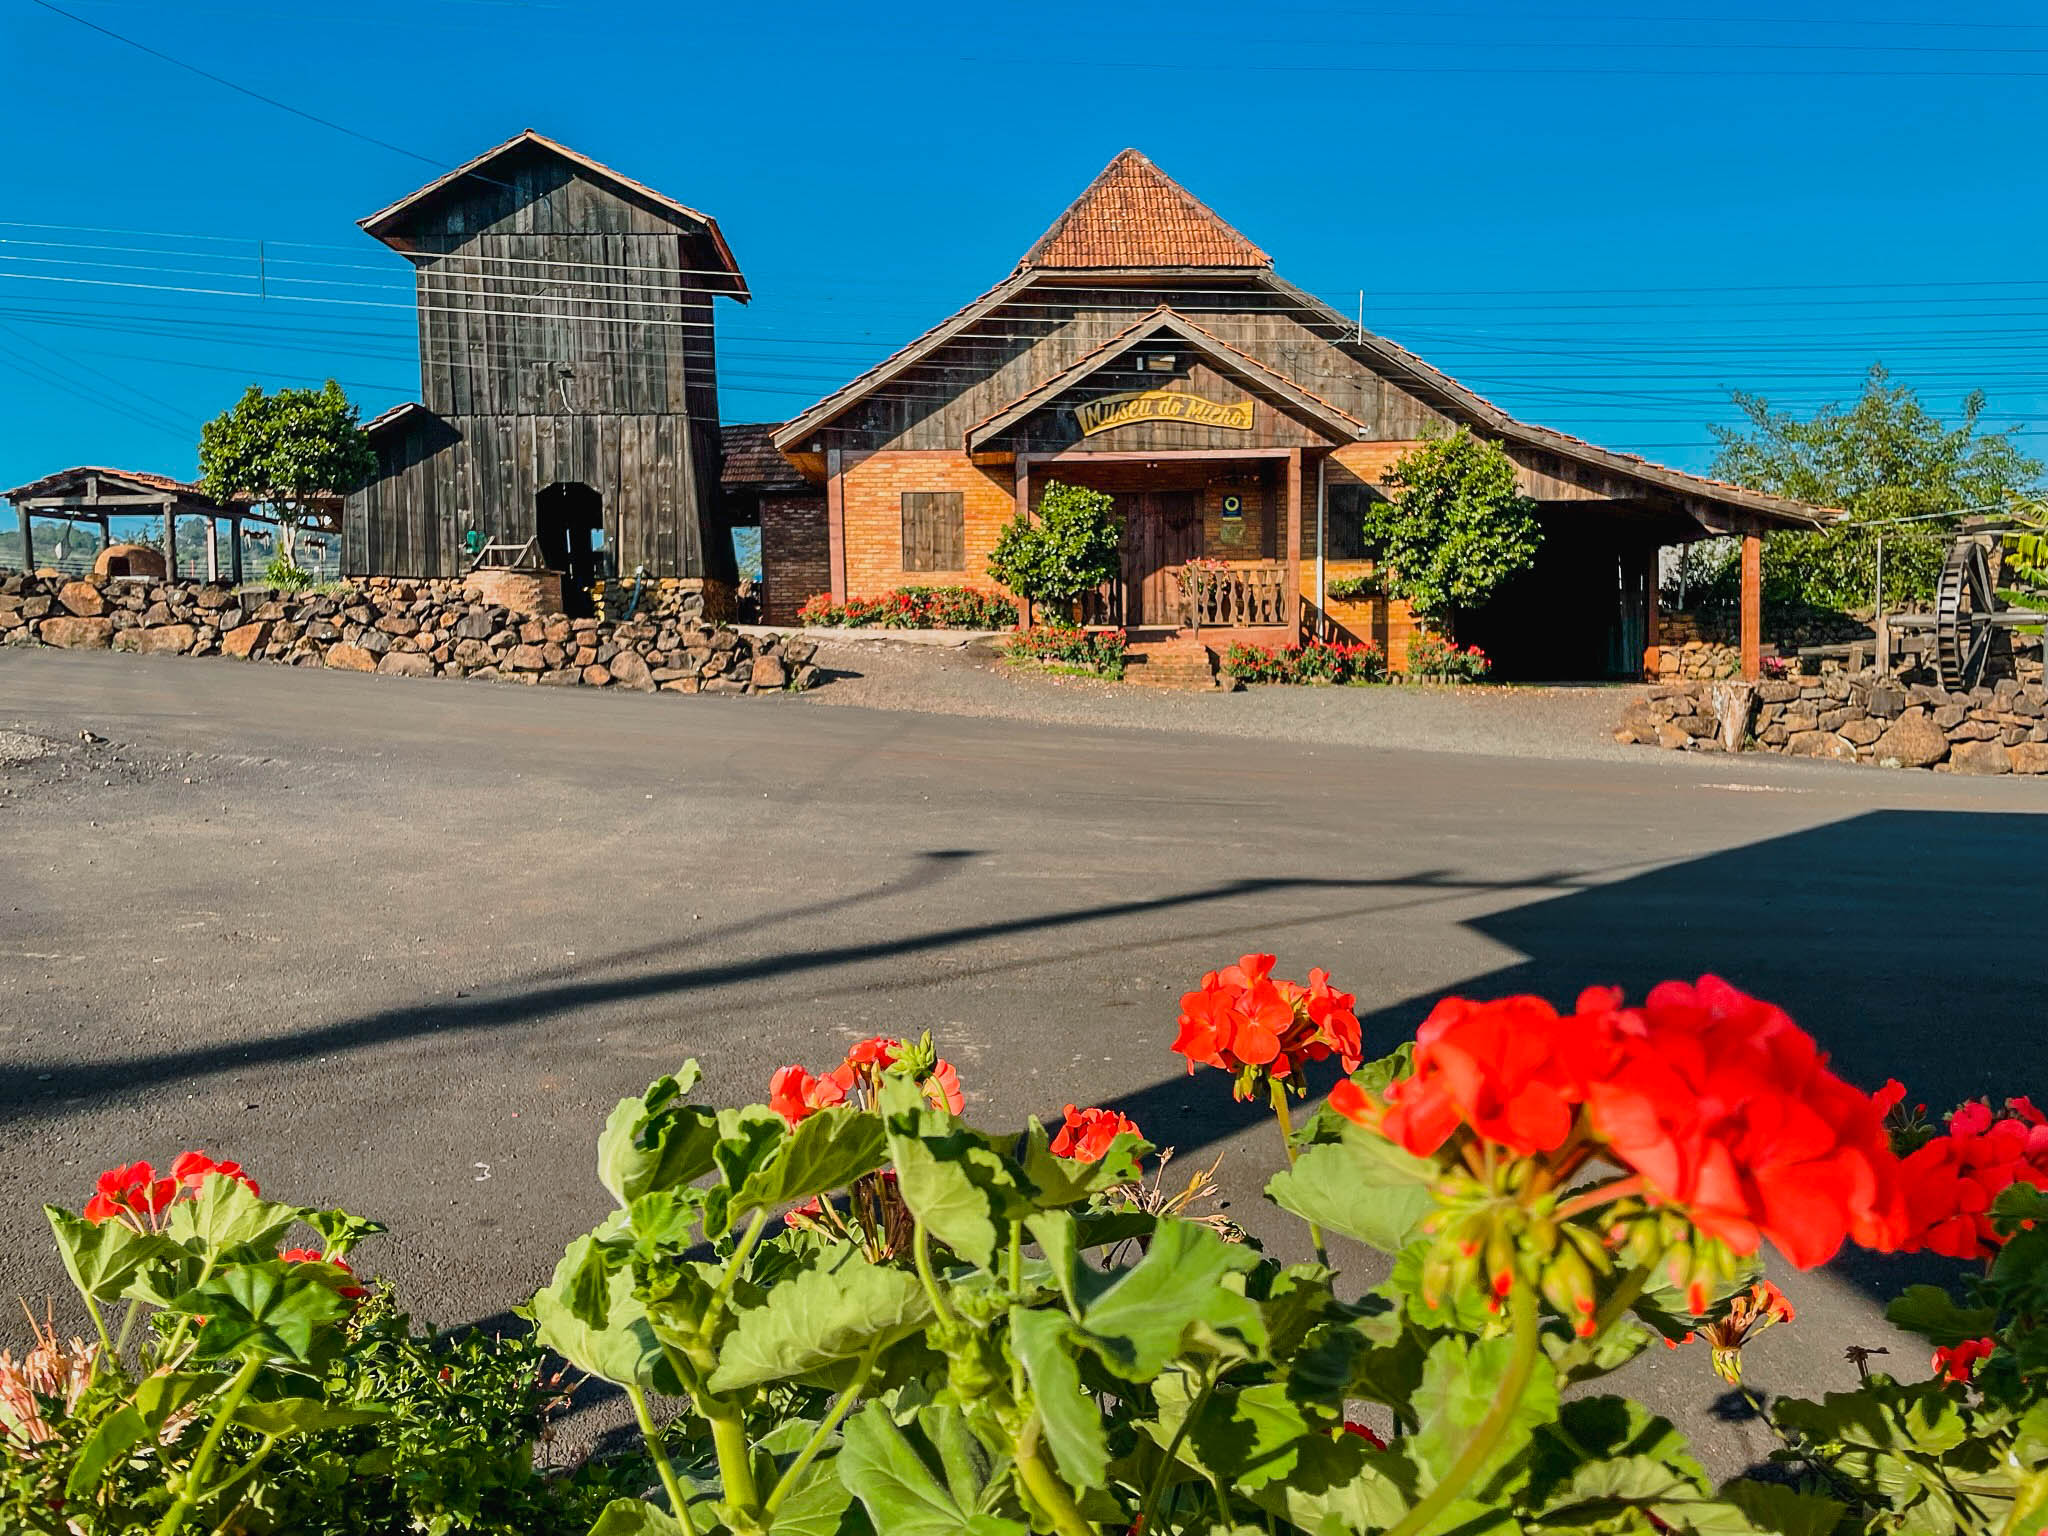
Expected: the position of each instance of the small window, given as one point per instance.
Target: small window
(1344, 518)
(934, 531)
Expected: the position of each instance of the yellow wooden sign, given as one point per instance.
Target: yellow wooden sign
(1161, 405)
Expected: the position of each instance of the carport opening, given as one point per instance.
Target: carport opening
(569, 521)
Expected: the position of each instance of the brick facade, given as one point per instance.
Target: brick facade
(1384, 621)
(871, 497)
(795, 553)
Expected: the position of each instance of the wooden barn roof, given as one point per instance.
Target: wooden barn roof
(1135, 215)
(384, 223)
(751, 457)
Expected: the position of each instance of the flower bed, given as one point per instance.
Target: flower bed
(913, 608)
(850, 1310)
(1101, 651)
(1434, 659)
(1316, 662)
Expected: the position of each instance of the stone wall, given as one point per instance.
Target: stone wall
(412, 629)
(1852, 717)
(1707, 644)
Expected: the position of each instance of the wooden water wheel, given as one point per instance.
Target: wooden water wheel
(1964, 602)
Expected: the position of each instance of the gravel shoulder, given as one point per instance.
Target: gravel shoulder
(1523, 721)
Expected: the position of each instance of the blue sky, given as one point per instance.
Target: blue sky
(1604, 214)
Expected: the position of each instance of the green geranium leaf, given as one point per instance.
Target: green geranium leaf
(1249, 1438)
(607, 1335)
(1931, 1312)
(964, 1191)
(1339, 1484)
(820, 1505)
(1783, 1511)
(104, 1258)
(304, 1415)
(1073, 1424)
(224, 1214)
(748, 1139)
(109, 1443)
(656, 1141)
(1059, 1239)
(1362, 1186)
(841, 1309)
(827, 1151)
(635, 1517)
(1460, 1379)
(900, 1493)
(1375, 1077)
(1173, 1297)
(1061, 1181)
(273, 1309)
(339, 1231)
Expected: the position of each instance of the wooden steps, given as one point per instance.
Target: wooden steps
(1183, 663)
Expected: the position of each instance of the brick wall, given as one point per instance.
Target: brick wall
(872, 496)
(1386, 622)
(795, 554)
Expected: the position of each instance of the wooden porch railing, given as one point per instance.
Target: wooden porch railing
(1243, 597)
(1105, 605)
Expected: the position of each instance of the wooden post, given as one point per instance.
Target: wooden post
(213, 549)
(28, 541)
(170, 540)
(1652, 640)
(1752, 606)
(235, 550)
(835, 523)
(1024, 511)
(1294, 539)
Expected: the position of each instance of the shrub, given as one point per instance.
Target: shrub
(1352, 589)
(282, 572)
(913, 608)
(1074, 545)
(1316, 662)
(1459, 528)
(1103, 651)
(1439, 660)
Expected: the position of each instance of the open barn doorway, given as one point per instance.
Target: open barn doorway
(569, 521)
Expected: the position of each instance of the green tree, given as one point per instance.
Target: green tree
(1458, 528)
(286, 452)
(1073, 547)
(1884, 458)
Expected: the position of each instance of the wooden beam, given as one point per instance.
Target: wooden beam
(28, 539)
(1293, 599)
(1652, 644)
(1752, 606)
(88, 503)
(213, 549)
(1023, 511)
(170, 539)
(235, 550)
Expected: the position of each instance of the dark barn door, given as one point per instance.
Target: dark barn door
(569, 520)
(1162, 529)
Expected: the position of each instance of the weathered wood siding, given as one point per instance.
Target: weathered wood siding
(565, 336)
(1052, 428)
(1047, 327)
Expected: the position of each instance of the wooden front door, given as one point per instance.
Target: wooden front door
(1162, 529)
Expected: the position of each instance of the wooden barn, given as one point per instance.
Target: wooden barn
(1145, 347)
(568, 377)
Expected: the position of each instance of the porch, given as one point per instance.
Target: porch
(1212, 542)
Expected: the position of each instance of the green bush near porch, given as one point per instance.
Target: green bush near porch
(1072, 548)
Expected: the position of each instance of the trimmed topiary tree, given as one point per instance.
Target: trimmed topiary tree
(286, 451)
(1073, 546)
(1457, 530)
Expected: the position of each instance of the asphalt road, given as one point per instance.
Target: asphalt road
(400, 945)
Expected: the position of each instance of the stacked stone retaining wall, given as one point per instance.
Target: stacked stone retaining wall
(411, 629)
(1852, 717)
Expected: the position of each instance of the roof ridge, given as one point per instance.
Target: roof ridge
(1135, 215)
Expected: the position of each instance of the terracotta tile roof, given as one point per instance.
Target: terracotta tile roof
(392, 417)
(1135, 215)
(79, 473)
(751, 457)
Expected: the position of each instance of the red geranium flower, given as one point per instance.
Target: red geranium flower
(796, 1095)
(191, 1170)
(1364, 1432)
(1087, 1133)
(1727, 1109)
(1514, 1071)
(1949, 1183)
(1957, 1363)
(133, 1196)
(1246, 1021)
